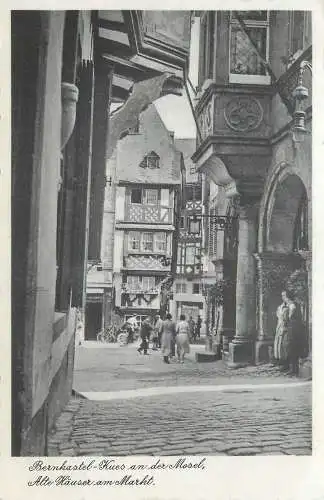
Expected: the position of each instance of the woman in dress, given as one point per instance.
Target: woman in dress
(288, 343)
(168, 331)
(182, 338)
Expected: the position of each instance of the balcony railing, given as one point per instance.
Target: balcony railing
(154, 214)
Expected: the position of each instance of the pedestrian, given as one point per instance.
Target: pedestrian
(198, 327)
(289, 339)
(145, 332)
(158, 329)
(191, 328)
(182, 338)
(168, 336)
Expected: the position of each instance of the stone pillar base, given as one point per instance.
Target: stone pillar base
(262, 354)
(240, 354)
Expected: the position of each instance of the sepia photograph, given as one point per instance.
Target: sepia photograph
(161, 232)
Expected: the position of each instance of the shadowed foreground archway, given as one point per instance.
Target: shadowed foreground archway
(282, 246)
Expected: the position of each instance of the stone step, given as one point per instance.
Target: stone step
(206, 357)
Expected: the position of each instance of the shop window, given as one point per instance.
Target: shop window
(134, 240)
(245, 64)
(136, 195)
(196, 288)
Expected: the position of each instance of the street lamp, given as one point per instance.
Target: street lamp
(220, 222)
(300, 94)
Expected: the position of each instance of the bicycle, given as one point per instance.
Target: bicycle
(108, 335)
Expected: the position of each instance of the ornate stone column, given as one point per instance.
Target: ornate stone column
(240, 349)
(273, 270)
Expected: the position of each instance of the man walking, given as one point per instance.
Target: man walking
(145, 335)
(191, 329)
(158, 329)
(198, 327)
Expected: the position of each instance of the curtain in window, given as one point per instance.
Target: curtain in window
(147, 242)
(150, 197)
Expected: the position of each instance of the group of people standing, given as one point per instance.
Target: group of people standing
(170, 336)
(290, 343)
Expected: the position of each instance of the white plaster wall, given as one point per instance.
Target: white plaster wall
(44, 214)
(108, 223)
(120, 202)
(165, 197)
(117, 282)
(118, 250)
(169, 243)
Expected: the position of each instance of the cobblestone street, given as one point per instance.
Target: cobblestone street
(127, 404)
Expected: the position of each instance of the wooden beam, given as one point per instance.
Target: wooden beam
(112, 25)
(129, 70)
(108, 47)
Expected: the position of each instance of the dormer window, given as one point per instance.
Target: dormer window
(151, 160)
(245, 64)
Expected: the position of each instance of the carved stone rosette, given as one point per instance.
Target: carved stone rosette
(243, 113)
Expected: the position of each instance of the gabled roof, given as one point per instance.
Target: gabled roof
(154, 137)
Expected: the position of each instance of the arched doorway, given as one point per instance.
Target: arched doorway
(283, 244)
(287, 216)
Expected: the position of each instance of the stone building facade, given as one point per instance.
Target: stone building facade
(63, 81)
(255, 155)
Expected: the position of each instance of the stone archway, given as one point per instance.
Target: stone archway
(283, 209)
(277, 257)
